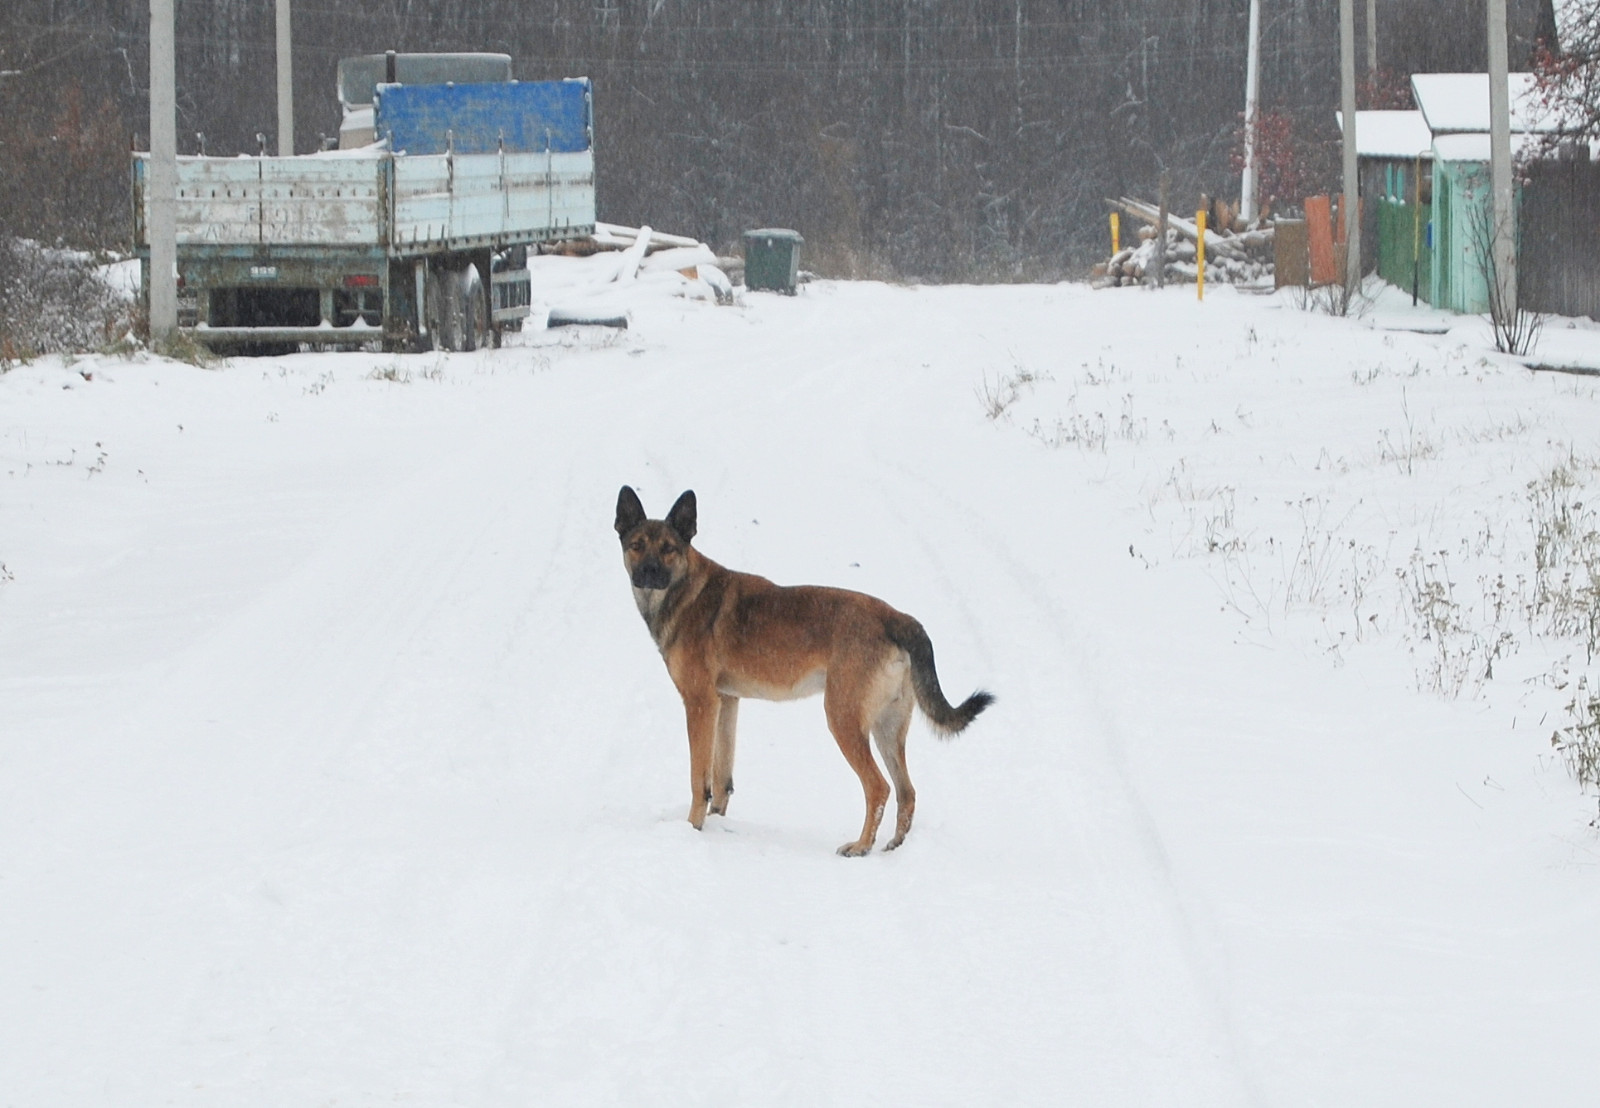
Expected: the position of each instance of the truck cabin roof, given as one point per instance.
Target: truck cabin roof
(360, 76)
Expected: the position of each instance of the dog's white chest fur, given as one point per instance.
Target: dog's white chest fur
(649, 602)
(809, 685)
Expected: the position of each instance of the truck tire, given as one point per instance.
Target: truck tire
(458, 311)
(475, 332)
(438, 307)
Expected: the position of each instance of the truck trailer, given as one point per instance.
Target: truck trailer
(414, 234)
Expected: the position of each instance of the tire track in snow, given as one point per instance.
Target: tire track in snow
(1147, 885)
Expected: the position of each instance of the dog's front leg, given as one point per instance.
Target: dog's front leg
(702, 711)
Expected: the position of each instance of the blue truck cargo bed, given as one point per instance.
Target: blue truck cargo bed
(528, 116)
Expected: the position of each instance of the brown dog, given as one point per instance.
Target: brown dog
(725, 635)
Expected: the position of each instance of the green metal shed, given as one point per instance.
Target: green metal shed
(1456, 109)
(1462, 222)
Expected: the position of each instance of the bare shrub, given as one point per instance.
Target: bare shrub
(1566, 598)
(1578, 742)
(998, 395)
(1455, 652)
(1515, 328)
(54, 301)
(1566, 554)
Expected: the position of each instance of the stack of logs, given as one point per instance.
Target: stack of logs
(1235, 254)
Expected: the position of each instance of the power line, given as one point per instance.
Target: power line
(1098, 60)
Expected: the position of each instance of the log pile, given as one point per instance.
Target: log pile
(611, 236)
(1235, 255)
(643, 249)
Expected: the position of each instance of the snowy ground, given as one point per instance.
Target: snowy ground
(337, 767)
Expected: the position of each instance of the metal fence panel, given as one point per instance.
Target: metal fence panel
(1559, 252)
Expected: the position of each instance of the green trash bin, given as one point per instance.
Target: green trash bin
(772, 259)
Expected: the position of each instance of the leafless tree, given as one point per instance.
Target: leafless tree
(934, 139)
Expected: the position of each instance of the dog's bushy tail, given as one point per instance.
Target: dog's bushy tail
(947, 720)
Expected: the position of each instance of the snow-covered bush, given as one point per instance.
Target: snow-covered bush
(1566, 597)
(55, 301)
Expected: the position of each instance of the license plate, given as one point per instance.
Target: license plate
(264, 272)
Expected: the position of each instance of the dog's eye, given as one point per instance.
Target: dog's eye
(669, 549)
(637, 546)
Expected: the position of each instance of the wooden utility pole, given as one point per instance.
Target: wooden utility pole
(285, 82)
(1503, 214)
(1351, 207)
(161, 178)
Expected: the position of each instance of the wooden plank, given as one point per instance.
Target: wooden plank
(440, 200)
(297, 201)
(612, 234)
(1291, 266)
(339, 201)
(1319, 240)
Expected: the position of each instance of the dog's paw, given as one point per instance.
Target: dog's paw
(855, 850)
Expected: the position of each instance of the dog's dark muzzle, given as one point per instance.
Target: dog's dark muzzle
(651, 574)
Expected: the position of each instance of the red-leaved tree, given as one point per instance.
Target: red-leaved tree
(1568, 75)
(1283, 159)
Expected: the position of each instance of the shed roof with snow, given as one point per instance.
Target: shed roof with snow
(1391, 134)
(1455, 103)
(1475, 147)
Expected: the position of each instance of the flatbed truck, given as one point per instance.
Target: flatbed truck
(414, 236)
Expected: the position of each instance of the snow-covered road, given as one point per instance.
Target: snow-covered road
(336, 765)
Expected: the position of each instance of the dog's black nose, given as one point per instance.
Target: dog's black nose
(651, 574)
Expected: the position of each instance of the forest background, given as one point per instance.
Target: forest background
(935, 140)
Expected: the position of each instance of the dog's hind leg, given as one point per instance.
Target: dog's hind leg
(844, 709)
(722, 755)
(890, 729)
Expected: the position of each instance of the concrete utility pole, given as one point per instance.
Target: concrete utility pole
(161, 180)
(1252, 81)
(1351, 206)
(1503, 214)
(285, 82)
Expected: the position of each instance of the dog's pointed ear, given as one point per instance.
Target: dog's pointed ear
(682, 517)
(630, 513)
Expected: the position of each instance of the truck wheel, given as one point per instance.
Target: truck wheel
(475, 330)
(437, 306)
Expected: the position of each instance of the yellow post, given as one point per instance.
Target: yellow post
(1116, 234)
(1200, 255)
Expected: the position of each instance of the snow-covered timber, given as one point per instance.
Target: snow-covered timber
(1218, 244)
(1244, 257)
